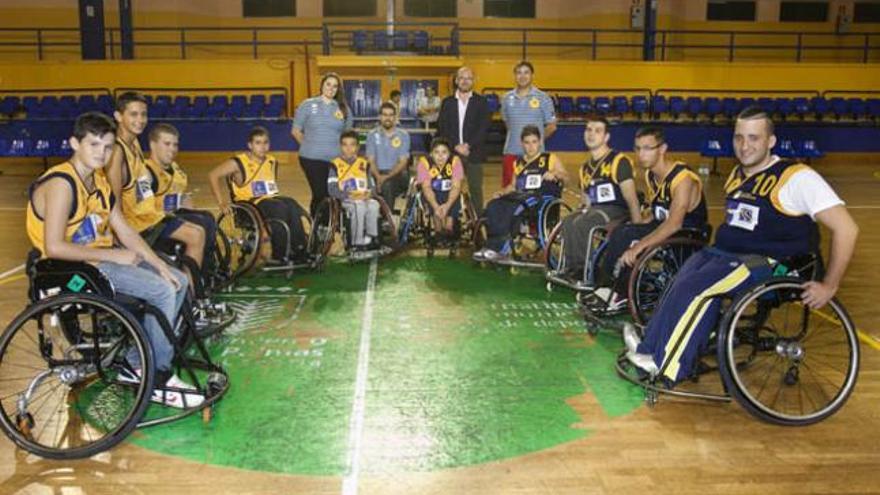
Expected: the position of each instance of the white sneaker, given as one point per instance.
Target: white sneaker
(613, 302)
(179, 400)
(645, 362)
(631, 337)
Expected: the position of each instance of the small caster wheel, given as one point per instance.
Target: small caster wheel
(215, 383)
(549, 286)
(514, 270)
(25, 424)
(650, 398)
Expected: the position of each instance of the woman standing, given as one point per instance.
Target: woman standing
(317, 125)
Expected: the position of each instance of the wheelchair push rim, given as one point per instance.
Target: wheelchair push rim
(62, 361)
(800, 364)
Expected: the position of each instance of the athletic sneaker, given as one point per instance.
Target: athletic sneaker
(645, 362)
(487, 254)
(179, 400)
(631, 337)
(613, 302)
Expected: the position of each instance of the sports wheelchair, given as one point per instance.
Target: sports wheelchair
(64, 358)
(330, 234)
(244, 237)
(781, 361)
(650, 275)
(417, 223)
(534, 219)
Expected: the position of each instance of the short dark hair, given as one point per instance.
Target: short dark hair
(348, 134)
(123, 100)
(163, 128)
(530, 130)
(387, 104)
(439, 141)
(524, 63)
(652, 130)
(754, 112)
(95, 123)
(256, 131)
(595, 117)
(395, 92)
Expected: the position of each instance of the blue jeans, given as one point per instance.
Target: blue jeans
(143, 282)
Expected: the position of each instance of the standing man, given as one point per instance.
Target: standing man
(464, 122)
(388, 153)
(525, 105)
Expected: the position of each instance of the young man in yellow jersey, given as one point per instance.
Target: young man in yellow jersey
(349, 182)
(170, 184)
(133, 184)
(252, 177)
(72, 215)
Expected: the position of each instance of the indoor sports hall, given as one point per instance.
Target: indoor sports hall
(347, 320)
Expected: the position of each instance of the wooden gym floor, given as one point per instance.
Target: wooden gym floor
(479, 382)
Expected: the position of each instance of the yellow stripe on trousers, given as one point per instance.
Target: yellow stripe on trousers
(684, 331)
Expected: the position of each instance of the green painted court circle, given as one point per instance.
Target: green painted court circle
(466, 366)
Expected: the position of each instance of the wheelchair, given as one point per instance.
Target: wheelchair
(536, 217)
(652, 272)
(244, 237)
(416, 224)
(783, 362)
(330, 236)
(63, 359)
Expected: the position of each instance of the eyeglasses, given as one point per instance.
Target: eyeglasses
(646, 148)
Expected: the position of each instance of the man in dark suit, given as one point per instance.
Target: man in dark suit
(464, 121)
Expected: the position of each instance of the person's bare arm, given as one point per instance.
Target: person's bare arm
(549, 129)
(297, 134)
(844, 233)
(117, 171)
(681, 200)
(631, 196)
(216, 178)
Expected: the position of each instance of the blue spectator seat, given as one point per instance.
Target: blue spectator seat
(565, 106)
(236, 106)
(873, 108)
(620, 104)
(820, 106)
(8, 104)
(359, 40)
(179, 107)
(712, 106)
(694, 106)
(602, 104)
(420, 41)
(808, 150)
(677, 106)
(640, 105)
(839, 107)
(217, 108)
(401, 41)
(198, 108)
(86, 103)
(583, 104)
(730, 107)
(802, 106)
(659, 106)
(785, 148)
(276, 106)
(784, 107)
(105, 104)
(380, 41)
(857, 108)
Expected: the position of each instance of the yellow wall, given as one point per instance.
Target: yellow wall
(490, 73)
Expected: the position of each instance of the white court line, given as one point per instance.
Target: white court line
(11, 271)
(356, 423)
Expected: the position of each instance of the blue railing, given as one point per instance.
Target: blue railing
(448, 38)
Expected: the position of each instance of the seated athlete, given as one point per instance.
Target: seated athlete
(133, 183)
(609, 195)
(252, 177)
(676, 200)
(72, 215)
(772, 209)
(170, 184)
(440, 176)
(534, 173)
(349, 182)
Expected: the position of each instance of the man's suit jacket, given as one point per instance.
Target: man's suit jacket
(476, 124)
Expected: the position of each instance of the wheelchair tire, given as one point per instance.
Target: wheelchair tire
(755, 354)
(553, 249)
(324, 226)
(653, 272)
(243, 231)
(73, 376)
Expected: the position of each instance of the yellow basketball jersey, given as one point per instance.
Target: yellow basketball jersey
(353, 177)
(170, 185)
(138, 198)
(88, 223)
(258, 179)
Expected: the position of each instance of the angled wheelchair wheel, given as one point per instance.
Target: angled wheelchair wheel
(243, 232)
(387, 226)
(783, 362)
(64, 363)
(551, 215)
(325, 225)
(553, 250)
(653, 273)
